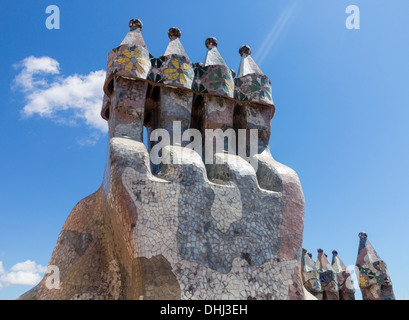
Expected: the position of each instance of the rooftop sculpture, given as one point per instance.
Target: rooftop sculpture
(185, 229)
(325, 280)
(344, 278)
(310, 275)
(334, 281)
(374, 279)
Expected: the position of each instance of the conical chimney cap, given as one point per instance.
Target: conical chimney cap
(134, 36)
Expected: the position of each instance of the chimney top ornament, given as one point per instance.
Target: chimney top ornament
(135, 24)
(174, 33)
(211, 42)
(245, 50)
(363, 235)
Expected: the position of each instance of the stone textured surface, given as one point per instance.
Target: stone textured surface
(182, 230)
(327, 281)
(344, 278)
(310, 276)
(328, 278)
(374, 280)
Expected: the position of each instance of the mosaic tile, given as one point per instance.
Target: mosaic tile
(183, 230)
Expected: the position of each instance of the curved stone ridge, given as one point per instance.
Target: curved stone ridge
(260, 216)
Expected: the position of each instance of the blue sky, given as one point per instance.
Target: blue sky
(342, 114)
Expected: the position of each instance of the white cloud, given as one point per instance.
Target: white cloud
(65, 99)
(28, 266)
(21, 278)
(22, 273)
(32, 66)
